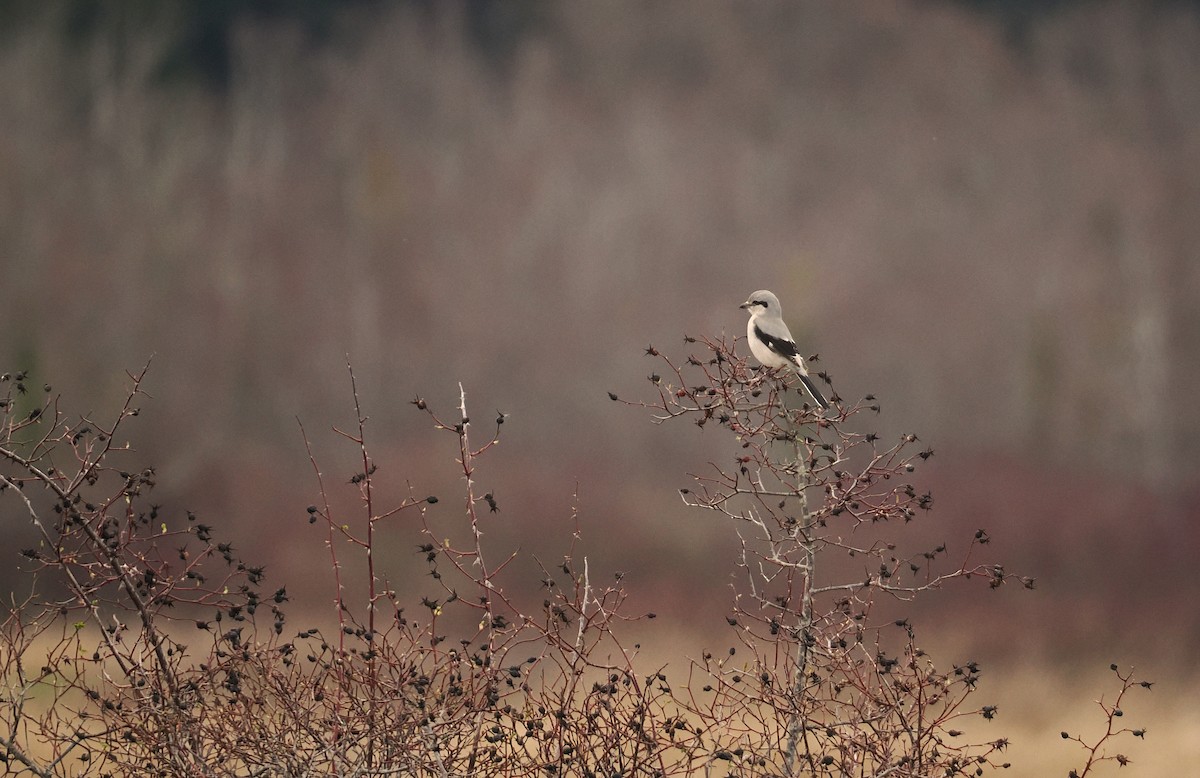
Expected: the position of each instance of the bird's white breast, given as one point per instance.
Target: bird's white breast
(763, 354)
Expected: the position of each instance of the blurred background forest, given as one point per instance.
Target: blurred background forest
(985, 213)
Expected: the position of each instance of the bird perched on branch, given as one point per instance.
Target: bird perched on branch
(771, 342)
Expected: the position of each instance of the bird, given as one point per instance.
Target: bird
(771, 342)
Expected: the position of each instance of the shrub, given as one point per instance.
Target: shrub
(146, 645)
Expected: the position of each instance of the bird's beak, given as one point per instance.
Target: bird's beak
(745, 305)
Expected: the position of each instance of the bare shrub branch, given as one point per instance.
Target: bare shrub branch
(145, 645)
(1095, 753)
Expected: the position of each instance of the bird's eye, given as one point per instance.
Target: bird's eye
(763, 303)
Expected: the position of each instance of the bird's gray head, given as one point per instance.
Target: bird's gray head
(762, 302)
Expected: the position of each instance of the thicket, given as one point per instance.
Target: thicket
(145, 645)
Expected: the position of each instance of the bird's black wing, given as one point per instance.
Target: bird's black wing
(782, 347)
(787, 350)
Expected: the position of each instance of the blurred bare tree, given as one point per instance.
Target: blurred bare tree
(984, 215)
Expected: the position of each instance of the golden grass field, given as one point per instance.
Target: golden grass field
(1035, 703)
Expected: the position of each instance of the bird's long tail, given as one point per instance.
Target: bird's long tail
(814, 392)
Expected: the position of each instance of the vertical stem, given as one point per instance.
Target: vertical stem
(587, 593)
(484, 579)
(795, 725)
(339, 592)
(372, 670)
(468, 466)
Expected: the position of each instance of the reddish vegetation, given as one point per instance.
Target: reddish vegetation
(143, 642)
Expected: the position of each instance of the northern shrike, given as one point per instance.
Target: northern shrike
(771, 343)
